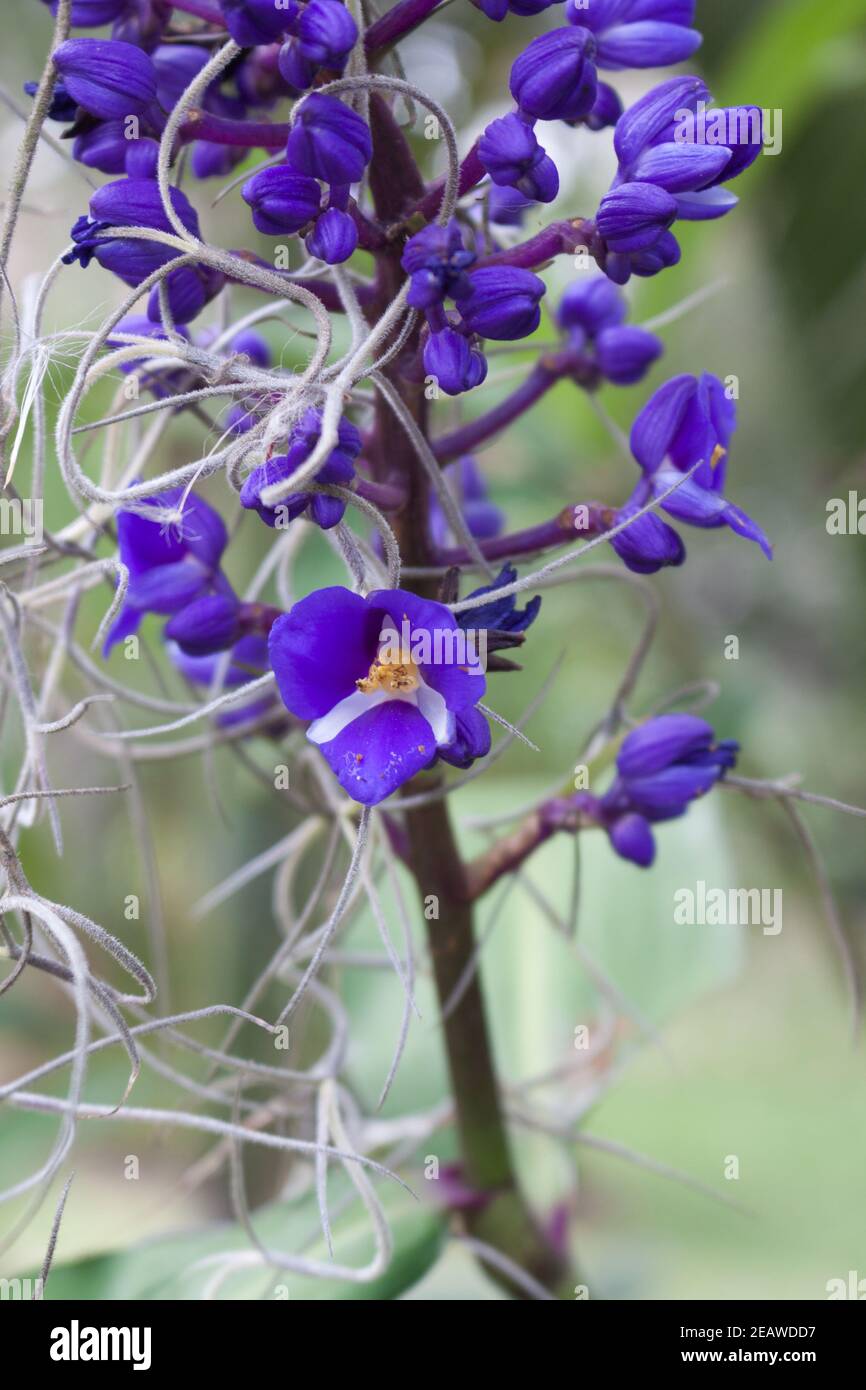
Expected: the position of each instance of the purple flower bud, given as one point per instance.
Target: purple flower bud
(329, 141)
(471, 740)
(282, 200)
(654, 117)
(253, 346)
(436, 260)
(632, 838)
(455, 365)
(176, 65)
(104, 147)
(252, 22)
(625, 354)
(590, 304)
(666, 739)
(648, 544)
(633, 216)
(504, 303)
(109, 79)
(208, 624)
(189, 290)
(512, 155)
(92, 14)
(555, 77)
(507, 206)
(334, 237)
(606, 110)
(469, 486)
(142, 157)
(62, 107)
(295, 68)
(209, 160)
(327, 33)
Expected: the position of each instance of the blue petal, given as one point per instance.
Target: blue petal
(377, 753)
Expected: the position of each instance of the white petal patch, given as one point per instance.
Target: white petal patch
(426, 700)
(434, 709)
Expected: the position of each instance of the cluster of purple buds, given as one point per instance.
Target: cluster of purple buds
(329, 143)
(592, 313)
(664, 176)
(662, 767)
(314, 36)
(498, 302)
(337, 470)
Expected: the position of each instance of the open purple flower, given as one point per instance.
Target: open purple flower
(171, 564)
(690, 421)
(337, 470)
(663, 766)
(389, 682)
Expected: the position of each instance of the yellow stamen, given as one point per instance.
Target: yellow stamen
(397, 677)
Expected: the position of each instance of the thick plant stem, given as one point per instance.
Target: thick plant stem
(502, 1218)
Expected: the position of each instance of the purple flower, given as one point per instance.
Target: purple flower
(436, 261)
(638, 33)
(252, 22)
(176, 65)
(503, 303)
(170, 564)
(469, 487)
(663, 765)
(606, 109)
(384, 680)
(555, 78)
(109, 79)
(690, 421)
(283, 201)
(329, 140)
(334, 237)
(589, 305)
(105, 147)
(453, 363)
(337, 470)
(513, 157)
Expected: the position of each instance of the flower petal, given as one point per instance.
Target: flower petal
(377, 753)
(320, 649)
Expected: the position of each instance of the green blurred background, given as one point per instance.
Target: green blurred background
(757, 1060)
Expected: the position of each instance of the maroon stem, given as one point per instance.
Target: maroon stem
(202, 10)
(397, 23)
(472, 171)
(390, 497)
(544, 374)
(570, 524)
(225, 130)
(560, 238)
